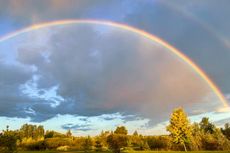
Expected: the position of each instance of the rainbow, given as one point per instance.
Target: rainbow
(172, 49)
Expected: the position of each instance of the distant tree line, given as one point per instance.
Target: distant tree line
(183, 136)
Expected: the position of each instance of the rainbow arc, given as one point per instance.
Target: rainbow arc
(154, 38)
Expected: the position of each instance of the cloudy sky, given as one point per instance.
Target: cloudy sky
(89, 77)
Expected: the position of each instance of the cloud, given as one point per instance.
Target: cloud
(77, 127)
(170, 21)
(89, 71)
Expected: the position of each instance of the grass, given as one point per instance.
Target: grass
(128, 152)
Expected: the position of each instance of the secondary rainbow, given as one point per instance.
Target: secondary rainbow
(154, 38)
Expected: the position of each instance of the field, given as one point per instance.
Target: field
(128, 152)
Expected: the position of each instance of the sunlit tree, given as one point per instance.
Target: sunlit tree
(180, 128)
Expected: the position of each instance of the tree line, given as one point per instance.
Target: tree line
(183, 135)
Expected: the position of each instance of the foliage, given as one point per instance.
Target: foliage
(206, 126)
(8, 140)
(158, 142)
(53, 143)
(117, 141)
(98, 145)
(63, 148)
(180, 128)
(121, 130)
(226, 130)
(69, 133)
(196, 137)
(88, 144)
(33, 145)
(32, 131)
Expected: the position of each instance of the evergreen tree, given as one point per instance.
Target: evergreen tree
(68, 133)
(135, 133)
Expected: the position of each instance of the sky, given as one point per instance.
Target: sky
(90, 77)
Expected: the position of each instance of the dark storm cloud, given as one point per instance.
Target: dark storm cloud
(13, 102)
(102, 70)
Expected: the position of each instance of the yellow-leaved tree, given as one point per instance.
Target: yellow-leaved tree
(180, 128)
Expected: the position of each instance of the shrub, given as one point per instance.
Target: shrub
(36, 145)
(54, 143)
(63, 148)
(8, 142)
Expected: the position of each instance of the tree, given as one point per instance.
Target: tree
(144, 145)
(40, 131)
(32, 131)
(98, 145)
(49, 134)
(117, 141)
(226, 130)
(88, 143)
(135, 133)
(121, 130)
(206, 126)
(68, 133)
(8, 140)
(180, 128)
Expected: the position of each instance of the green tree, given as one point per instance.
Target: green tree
(8, 140)
(180, 128)
(121, 130)
(226, 130)
(49, 134)
(32, 131)
(117, 141)
(40, 131)
(206, 126)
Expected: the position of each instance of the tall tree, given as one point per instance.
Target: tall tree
(226, 130)
(207, 126)
(180, 128)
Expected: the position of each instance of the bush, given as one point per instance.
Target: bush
(54, 143)
(63, 148)
(8, 142)
(36, 145)
(158, 142)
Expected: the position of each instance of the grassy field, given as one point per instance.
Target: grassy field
(128, 152)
